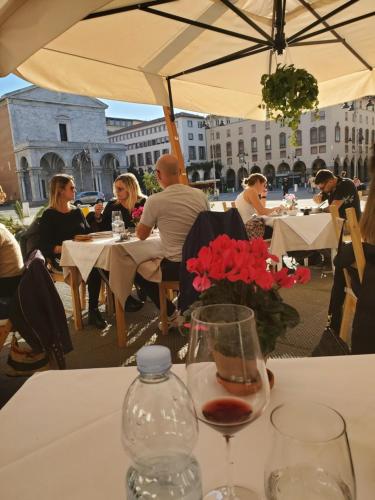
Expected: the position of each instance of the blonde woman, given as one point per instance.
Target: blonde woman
(62, 221)
(128, 195)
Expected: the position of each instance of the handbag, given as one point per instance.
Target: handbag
(331, 344)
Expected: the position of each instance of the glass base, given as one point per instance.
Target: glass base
(241, 493)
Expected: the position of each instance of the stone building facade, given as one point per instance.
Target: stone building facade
(45, 132)
(340, 139)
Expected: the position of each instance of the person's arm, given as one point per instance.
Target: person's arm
(49, 243)
(251, 196)
(148, 219)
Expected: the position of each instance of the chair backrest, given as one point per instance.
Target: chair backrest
(225, 206)
(336, 221)
(356, 238)
(233, 204)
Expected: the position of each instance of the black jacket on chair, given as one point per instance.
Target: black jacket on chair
(37, 312)
(363, 333)
(207, 226)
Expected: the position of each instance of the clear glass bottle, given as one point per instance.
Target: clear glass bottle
(118, 227)
(159, 432)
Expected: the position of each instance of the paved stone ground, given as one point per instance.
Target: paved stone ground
(95, 349)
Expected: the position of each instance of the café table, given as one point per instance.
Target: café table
(61, 432)
(301, 232)
(122, 259)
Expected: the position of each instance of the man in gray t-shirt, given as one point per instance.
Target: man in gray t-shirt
(174, 211)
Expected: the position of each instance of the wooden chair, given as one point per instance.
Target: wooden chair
(350, 301)
(166, 289)
(233, 204)
(225, 206)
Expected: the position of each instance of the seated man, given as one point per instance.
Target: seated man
(338, 191)
(174, 211)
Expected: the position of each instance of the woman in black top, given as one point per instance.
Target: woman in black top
(128, 197)
(61, 221)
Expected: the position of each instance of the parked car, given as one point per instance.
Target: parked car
(89, 198)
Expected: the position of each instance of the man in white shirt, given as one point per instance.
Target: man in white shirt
(174, 211)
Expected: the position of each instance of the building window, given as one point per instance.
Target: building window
(191, 137)
(229, 161)
(218, 150)
(268, 156)
(253, 128)
(360, 118)
(165, 151)
(346, 134)
(299, 137)
(228, 132)
(372, 138)
(283, 154)
(322, 133)
(240, 130)
(202, 152)
(218, 136)
(322, 115)
(314, 150)
(360, 136)
(190, 123)
(337, 133)
(148, 158)
(140, 159)
(241, 147)
(267, 143)
(254, 158)
(200, 137)
(229, 149)
(353, 136)
(346, 148)
(298, 152)
(282, 140)
(228, 121)
(63, 132)
(322, 149)
(313, 135)
(346, 116)
(254, 145)
(366, 136)
(132, 160)
(156, 156)
(267, 125)
(192, 153)
(212, 136)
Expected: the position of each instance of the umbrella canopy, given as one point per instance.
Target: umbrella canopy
(212, 53)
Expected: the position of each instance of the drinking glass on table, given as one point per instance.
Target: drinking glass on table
(116, 215)
(227, 378)
(310, 458)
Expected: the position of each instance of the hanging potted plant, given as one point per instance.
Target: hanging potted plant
(287, 93)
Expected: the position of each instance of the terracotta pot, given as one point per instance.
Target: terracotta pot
(231, 371)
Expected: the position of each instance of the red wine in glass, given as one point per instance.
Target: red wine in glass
(227, 415)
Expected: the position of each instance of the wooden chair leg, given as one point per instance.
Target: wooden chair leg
(83, 295)
(102, 294)
(347, 316)
(122, 332)
(74, 287)
(109, 301)
(163, 309)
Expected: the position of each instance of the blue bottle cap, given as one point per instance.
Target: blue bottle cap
(154, 359)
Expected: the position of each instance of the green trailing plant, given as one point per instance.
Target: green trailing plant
(287, 93)
(150, 182)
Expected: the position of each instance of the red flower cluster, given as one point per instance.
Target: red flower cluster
(240, 260)
(137, 213)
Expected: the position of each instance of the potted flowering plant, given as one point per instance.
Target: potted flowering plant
(290, 201)
(232, 271)
(137, 214)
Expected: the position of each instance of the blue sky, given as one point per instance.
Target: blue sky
(116, 108)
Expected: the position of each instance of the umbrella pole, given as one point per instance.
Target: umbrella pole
(175, 143)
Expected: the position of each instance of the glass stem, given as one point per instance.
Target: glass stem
(229, 467)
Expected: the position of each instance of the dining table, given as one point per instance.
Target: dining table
(122, 259)
(301, 232)
(61, 433)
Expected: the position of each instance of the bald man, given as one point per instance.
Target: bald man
(174, 211)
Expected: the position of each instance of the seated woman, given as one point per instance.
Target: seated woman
(62, 221)
(345, 260)
(252, 200)
(128, 196)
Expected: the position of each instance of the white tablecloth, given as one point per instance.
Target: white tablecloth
(60, 434)
(310, 232)
(121, 259)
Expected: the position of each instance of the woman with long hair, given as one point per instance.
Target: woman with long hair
(62, 221)
(128, 196)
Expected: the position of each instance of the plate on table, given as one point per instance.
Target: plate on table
(101, 234)
(82, 237)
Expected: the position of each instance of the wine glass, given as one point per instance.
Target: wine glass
(227, 378)
(116, 214)
(310, 455)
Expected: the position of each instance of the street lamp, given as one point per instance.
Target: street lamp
(209, 125)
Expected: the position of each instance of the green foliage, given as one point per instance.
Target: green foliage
(272, 315)
(287, 93)
(19, 211)
(17, 226)
(150, 182)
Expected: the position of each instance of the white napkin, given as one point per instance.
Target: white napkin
(308, 227)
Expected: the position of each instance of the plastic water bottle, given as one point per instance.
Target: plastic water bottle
(159, 432)
(118, 227)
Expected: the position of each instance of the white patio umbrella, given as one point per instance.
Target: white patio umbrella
(126, 51)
